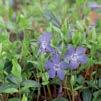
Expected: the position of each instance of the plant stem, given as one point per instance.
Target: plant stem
(38, 94)
(55, 90)
(72, 88)
(44, 92)
(1, 97)
(73, 99)
(67, 90)
(19, 92)
(49, 91)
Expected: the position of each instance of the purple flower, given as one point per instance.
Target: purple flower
(75, 57)
(44, 42)
(55, 67)
(94, 5)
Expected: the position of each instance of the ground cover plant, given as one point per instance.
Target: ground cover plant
(50, 50)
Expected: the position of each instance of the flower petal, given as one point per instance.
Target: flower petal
(43, 50)
(93, 5)
(56, 58)
(63, 65)
(80, 50)
(60, 74)
(74, 64)
(51, 73)
(44, 41)
(83, 58)
(49, 65)
(70, 51)
(46, 37)
(50, 49)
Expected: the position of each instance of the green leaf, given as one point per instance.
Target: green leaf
(12, 79)
(80, 79)
(80, 25)
(73, 80)
(87, 96)
(23, 22)
(77, 38)
(14, 99)
(52, 18)
(60, 99)
(0, 48)
(30, 83)
(10, 90)
(78, 88)
(79, 2)
(25, 49)
(99, 83)
(94, 35)
(45, 78)
(2, 24)
(97, 96)
(24, 98)
(16, 69)
(7, 88)
(25, 90)
(59, 31)
(1, 64)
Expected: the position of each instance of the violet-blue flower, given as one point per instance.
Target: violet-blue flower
(94, 5)
(55, 67)
(75, 56)
(44, 42)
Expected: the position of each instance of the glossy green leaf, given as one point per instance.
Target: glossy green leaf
(24, 98)
(14, 99)
(97, 96)
(45, 78)
(16, 69)
(7, 88)
(12, 79)
(0, 48)
(72, 80)
(30, 83)
(87, 95)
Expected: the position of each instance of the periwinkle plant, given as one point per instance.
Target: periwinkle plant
(63, 64)
(56, 65)
(44, 42)
(75, 56)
